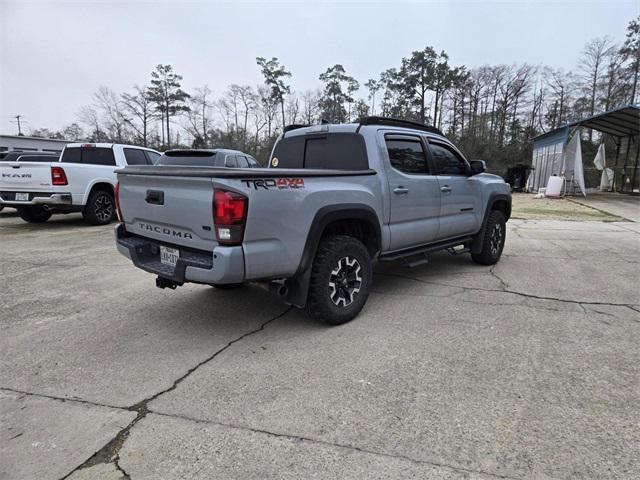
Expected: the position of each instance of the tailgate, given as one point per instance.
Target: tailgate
(175, 210)
(24, 176)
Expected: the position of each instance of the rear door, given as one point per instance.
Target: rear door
(414, 192)
(460, 202)
(86, 164)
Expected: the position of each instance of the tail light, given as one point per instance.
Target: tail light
(58, 177)
(229, 216)
(116, 197)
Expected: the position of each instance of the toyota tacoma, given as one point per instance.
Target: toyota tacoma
(334, 199)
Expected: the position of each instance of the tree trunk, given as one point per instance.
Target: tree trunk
(168, 134)
(635, 82)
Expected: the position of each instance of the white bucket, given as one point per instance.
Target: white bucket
(554, 187)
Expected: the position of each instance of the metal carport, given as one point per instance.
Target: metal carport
(620, 124)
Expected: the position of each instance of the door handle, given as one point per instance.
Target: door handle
(401, 190)
(445, 189)
(155, 197)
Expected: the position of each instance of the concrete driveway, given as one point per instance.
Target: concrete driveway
(620, 204)
(530, 369)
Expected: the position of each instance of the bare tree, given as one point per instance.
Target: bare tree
(198, 117)
(141, 112)
(88, 115)
(591, 64)
(111, 108)
(310, 106)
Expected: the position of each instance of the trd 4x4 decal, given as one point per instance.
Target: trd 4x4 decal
(280, 183)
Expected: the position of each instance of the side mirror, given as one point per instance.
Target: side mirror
(477, 166)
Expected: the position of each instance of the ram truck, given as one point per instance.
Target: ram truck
(82, 180)
(334, 199)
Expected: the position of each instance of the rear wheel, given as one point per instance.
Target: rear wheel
(100, 209)
(34, 214)
(495, 233)
(340, 279)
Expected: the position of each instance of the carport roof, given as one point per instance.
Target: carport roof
(621, 122)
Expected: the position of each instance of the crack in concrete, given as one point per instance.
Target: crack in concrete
(300, 438)
(60, 399)
(503, 284)
(514, 292)
(110, 452)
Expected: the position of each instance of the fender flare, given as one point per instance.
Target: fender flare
(91, 186)
(494, 197)
(298, 285)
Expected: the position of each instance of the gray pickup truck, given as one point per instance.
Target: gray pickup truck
(334, 199)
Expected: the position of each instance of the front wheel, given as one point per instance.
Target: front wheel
(341, 276)
(100, 209)
(34, 214)
(495, 233)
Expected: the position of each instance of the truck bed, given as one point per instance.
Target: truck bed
(174, 206)
(221, 172)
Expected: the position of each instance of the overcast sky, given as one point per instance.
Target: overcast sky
(54, 55)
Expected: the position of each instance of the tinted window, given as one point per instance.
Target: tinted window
(253, 163)
(230, 161)
(242, 161)
(38, 158)
(135, 156)
(90, 155)
(341, 151)
(153, 157)
(72, 155)
(407, 155)
(446, 161)
(192, 158)
(98, 156)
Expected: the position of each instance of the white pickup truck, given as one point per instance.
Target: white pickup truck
(83, 180)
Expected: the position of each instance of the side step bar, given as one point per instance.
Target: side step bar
(434, 247)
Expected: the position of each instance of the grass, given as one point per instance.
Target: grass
(526, 207)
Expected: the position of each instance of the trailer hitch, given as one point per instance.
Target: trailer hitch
(162, 282)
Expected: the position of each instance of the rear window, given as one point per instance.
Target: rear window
(38, 158)
(340, 151)
(90, 156)
(188, 158)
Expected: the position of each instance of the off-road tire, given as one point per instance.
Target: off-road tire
(34, 214)
(100, 209)
(334, 253)
(495, 233)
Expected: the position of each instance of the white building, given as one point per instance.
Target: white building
(31, 144)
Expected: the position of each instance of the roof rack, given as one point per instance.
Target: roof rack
(398, 122)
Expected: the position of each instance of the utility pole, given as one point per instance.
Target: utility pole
(17, 117)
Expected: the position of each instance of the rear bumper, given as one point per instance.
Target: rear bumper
(7, 198)
(223, 265)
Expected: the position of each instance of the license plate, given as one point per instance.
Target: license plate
(22, 197)
(169, 256)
